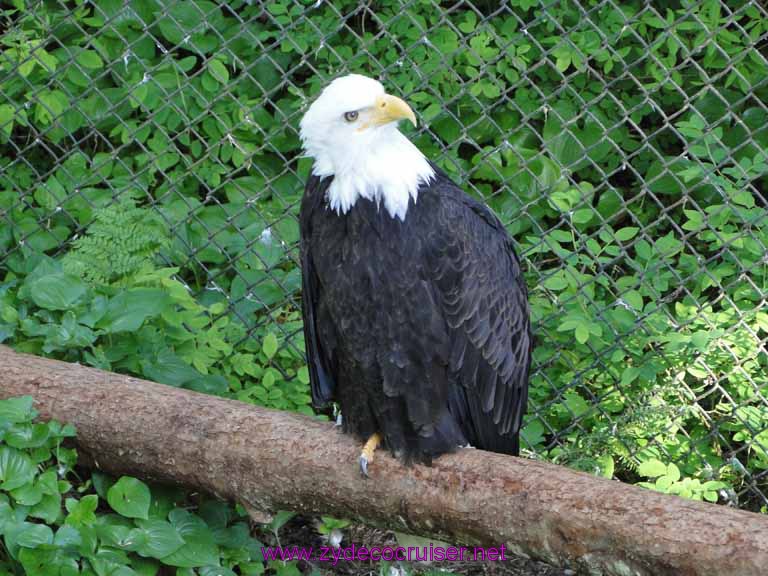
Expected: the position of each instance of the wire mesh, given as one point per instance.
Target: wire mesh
(623, 144)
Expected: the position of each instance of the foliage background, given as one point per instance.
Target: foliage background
(150, 175)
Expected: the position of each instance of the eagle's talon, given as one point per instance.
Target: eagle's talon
(364, 466)
(366, 456)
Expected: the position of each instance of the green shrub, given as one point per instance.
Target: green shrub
(54, 523)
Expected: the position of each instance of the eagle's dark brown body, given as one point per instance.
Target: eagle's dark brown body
(419, 328)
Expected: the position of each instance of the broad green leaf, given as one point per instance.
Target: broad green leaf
(7, 113)
(673, 472)
(634, 299)
(57, 291)
(130, 497)
(51, 104)
(236, 536)
(128, 310)
(8, 515)
(89, 59)
(107, 562)
(200, 548)
(663, 483)
(556, 282)
(16, 468)
(215, 513)
(48, 482)
(48, 509)
(28, 495)
(82, 512)
(155, 538)
(67, 537)
(14, 410)
(280, 519)
(607, 466)
(112, 530)
(164, 499)
(33, 535)
(533, 433)
(270, 345)
(582, 216)
(102, 483)
(28, 435)
(169, 368)
(48, 562)
(218, 71)
(627, 233)
(185, 21)
(575, 403)
(215, 571)
(652, 468)
(148, 566)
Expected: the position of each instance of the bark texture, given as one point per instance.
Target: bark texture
(271, 460)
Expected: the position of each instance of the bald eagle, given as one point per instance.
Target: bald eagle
(415, 310)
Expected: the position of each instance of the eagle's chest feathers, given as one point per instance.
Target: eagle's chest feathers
(362, 253)
(366, 261)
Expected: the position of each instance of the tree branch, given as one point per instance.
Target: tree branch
(270, 460)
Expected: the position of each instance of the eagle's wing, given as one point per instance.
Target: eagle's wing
(485, 304)
(318, 359)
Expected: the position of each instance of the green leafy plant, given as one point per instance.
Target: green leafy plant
(122, 241)
(667, 479)
(53, 523)
(328, 524)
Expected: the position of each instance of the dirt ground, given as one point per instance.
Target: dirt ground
(301, 531)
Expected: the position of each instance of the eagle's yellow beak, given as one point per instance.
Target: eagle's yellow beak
(391, 109)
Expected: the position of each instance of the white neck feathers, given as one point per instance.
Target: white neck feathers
(386, 168)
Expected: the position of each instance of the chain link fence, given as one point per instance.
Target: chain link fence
(154, 144)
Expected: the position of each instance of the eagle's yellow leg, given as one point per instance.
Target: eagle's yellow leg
(366, 456)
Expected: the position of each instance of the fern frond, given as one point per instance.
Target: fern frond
(122, 240)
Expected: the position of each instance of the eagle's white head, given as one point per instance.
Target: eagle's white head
(351, 133)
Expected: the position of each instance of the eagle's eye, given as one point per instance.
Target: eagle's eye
(350, 116)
